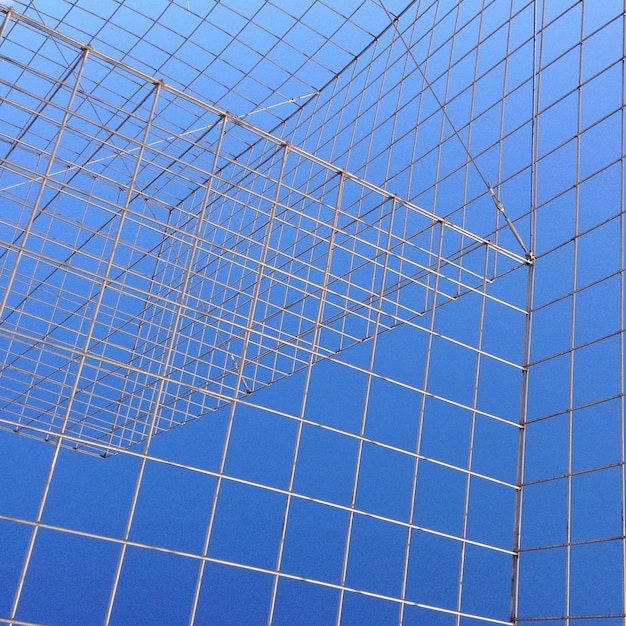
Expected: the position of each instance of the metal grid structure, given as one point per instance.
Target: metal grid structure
(313, 261)
(150, 276)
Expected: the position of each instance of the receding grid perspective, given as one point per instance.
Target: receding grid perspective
(312, 314)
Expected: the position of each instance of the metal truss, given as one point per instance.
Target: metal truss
(163, 257)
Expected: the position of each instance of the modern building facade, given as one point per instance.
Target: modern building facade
(312, 314)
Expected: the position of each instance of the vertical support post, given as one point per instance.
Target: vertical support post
(259, 277)
(370, 369)
(240, 377)
(5, 21)
(128, 197)
(164, 368)
(80, 64)
(526, 339)
(315, 340)
(622, 336)
(472, 434)
(436, 273)
(187, 273)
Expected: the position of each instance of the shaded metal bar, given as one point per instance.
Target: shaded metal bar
(527, 336)
(240, 374)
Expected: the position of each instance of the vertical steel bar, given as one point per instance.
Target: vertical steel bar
(80, 64)
(314, 343)
(240, 376)
(129, 194)
(472, 434)
(418, 443)
(527, 332)
(622, 322)
(359, 454)
(5, 21)
(572, 335)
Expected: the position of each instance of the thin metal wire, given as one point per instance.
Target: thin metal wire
(498, 204)
(622, 339)
(418, 443)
